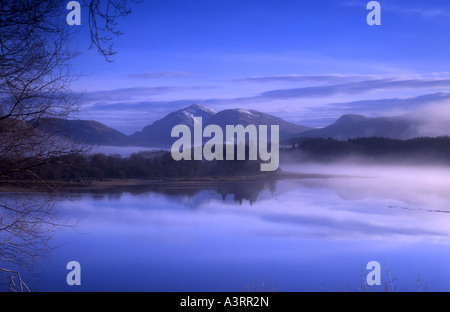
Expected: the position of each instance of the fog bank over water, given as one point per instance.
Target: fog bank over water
(427, 173)
(416, 185)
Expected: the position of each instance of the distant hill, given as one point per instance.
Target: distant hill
(84, 131)
(354, 126)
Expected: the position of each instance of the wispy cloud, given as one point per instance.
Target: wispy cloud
(125, 94)
(358, 87)
(425, 12)
(135, 94)
(348, 86)
(327, 78)
(158, 75)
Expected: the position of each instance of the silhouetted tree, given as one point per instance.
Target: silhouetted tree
(35, 79)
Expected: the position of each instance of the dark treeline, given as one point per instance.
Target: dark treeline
(373, 148)
(160, 165)
(142, 165)
(145, 165)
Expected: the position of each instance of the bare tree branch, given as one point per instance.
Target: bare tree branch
(35, 90)
(103, 16)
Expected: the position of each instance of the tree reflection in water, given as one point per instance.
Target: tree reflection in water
(239, 190)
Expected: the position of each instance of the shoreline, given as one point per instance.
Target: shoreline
(106, 184)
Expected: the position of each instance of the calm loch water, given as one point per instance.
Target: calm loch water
(290, 235)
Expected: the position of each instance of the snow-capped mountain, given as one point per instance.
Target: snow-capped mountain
(252, 117)
(158, 133)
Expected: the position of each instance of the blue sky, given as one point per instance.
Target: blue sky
(306, 61)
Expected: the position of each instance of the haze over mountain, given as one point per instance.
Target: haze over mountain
(354, 126)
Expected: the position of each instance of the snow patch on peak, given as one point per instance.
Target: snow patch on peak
(197, 107)
(244, 111)
(188, 114)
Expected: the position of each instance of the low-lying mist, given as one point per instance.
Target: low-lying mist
(413, 184)
(432, 119)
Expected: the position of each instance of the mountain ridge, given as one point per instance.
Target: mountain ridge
(353, 126)
(158, 134)
(83, 131)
